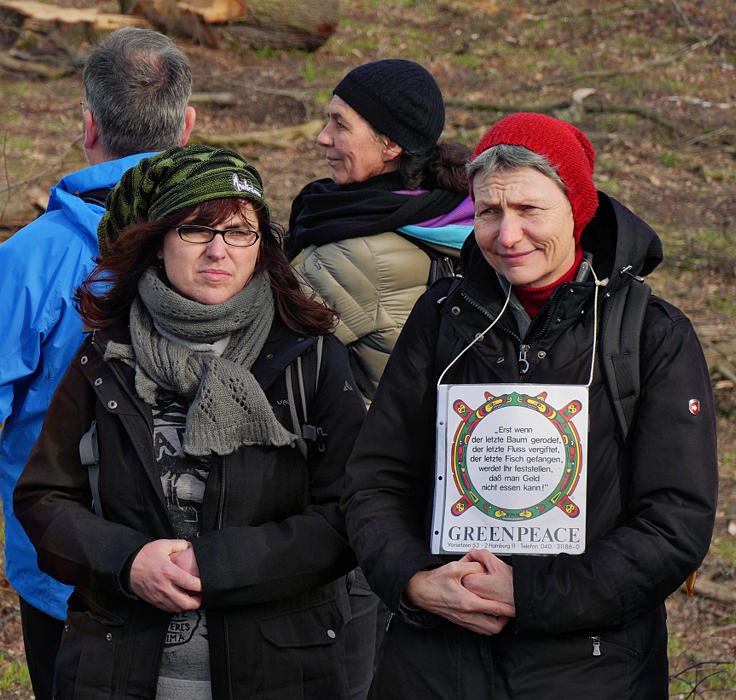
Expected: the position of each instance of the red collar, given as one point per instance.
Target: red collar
(534, 298)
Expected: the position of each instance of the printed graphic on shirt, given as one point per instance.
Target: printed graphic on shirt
(183, 477)
(182, 627)
(185, 663)
(184, 673)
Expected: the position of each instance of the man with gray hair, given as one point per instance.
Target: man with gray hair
(137, 85)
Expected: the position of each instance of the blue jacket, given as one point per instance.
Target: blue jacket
(40, 267)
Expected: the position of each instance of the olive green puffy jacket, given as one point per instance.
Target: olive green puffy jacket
(373, 283)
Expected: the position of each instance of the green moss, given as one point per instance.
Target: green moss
(669, 159)
(266, 52)
(468, 61)
(724, 304)
(19, 88)
(608, 185)
(21, 143)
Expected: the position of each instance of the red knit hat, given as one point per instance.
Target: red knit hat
(566, 148)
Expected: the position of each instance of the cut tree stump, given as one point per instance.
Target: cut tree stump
(190, 18)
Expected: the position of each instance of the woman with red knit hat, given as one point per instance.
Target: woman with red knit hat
(547, 261)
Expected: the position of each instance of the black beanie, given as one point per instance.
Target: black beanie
(397, 98)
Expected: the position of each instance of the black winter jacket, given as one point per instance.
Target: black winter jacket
(586, 625)
(270, 552)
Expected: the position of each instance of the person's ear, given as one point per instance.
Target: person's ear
(190, 116)
(91, 135)
(391, 150)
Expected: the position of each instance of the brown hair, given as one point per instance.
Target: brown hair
(106, 295)
(442, 166)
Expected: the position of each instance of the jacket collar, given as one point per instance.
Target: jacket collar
(281, 348)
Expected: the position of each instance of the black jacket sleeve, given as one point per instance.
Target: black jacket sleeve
(276, 559)
(390, 474)
(52, 499)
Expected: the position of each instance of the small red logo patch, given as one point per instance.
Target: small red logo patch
(694, 406)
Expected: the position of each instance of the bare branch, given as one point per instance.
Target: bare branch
(643, 67)
(686, 21)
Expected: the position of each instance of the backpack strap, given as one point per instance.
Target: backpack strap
(443, 260)
(620, 349)
(89, 455)
(302, 428)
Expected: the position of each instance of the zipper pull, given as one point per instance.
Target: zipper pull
(626, 270)
(321, 435)
(523, 362)
(389, 618)
(596, 646)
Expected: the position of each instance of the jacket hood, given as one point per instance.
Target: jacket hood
(64, 196)
(615, 236)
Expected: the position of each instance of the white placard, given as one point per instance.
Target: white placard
(511, 468)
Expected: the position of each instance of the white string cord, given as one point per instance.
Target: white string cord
(598, 284)
(478, 337)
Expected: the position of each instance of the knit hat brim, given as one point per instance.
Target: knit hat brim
(175, 179)
(398, 98)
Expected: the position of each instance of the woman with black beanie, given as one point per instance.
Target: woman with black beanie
(371, 238)
(393, 214)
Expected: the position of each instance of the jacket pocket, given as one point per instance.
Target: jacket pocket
(85, 662)
(605, 666)
(303, 654)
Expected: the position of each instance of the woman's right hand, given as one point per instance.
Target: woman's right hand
(441, 591)
(155, 577)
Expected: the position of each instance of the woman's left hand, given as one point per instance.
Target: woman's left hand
(495, 583)
(186, 560)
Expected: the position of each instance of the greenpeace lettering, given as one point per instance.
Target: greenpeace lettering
(489, 534)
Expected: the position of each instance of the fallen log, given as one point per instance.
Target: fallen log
(720, 592)
(190, 18)
(47, 13)
(276, 138)
(295, 24)
(303, 24)
(35, 68)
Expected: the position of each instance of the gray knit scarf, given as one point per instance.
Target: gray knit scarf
(227, 407)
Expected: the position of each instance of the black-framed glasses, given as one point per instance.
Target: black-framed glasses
(236, 237)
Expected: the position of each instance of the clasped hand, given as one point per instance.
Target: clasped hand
(476, 592)
(165, 574)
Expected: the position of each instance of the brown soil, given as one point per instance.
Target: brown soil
(661, 119)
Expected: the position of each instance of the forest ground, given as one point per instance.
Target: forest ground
(662, 118)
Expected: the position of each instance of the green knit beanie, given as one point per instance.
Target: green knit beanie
(173, 180)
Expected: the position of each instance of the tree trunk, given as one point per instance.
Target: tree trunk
(303, 24)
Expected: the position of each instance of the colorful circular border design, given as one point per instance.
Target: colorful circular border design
(560, 419)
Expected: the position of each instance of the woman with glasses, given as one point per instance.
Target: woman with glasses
(172, 483)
